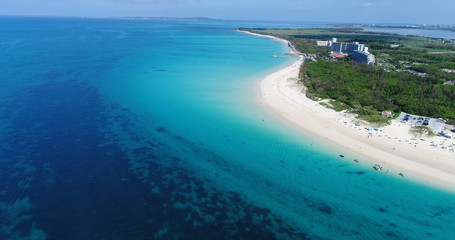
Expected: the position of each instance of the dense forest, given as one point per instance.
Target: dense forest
(367, 90)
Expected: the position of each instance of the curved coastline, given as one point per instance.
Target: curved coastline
(425, 164)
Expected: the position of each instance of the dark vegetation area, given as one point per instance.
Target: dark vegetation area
(408, 75)
(368, 90)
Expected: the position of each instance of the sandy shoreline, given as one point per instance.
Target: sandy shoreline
(392, 146)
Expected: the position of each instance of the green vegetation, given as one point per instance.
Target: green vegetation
(368, 90)
(335, 105)
(422, 131)
(408, 75)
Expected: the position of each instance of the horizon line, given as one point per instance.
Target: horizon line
(217, 19)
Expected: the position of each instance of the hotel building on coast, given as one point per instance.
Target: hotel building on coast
(358, 52)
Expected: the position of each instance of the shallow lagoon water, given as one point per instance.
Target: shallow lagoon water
(415, 32)
(120, 129)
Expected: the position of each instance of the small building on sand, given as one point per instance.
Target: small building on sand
(387, 113)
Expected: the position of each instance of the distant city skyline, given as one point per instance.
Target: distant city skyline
(348, 11)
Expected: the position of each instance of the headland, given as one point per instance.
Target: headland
(394, 146)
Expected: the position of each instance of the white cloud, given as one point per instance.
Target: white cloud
(367, 4)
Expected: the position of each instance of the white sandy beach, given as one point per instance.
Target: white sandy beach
(393, 146)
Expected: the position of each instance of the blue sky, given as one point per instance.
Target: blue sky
(353, 11)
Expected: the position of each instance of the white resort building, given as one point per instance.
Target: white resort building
(358, 52)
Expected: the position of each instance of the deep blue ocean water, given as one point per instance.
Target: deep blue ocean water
(128, 129)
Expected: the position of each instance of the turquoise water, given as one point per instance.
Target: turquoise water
(119, 129)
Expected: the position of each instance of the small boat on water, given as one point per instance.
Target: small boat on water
(377, 167)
